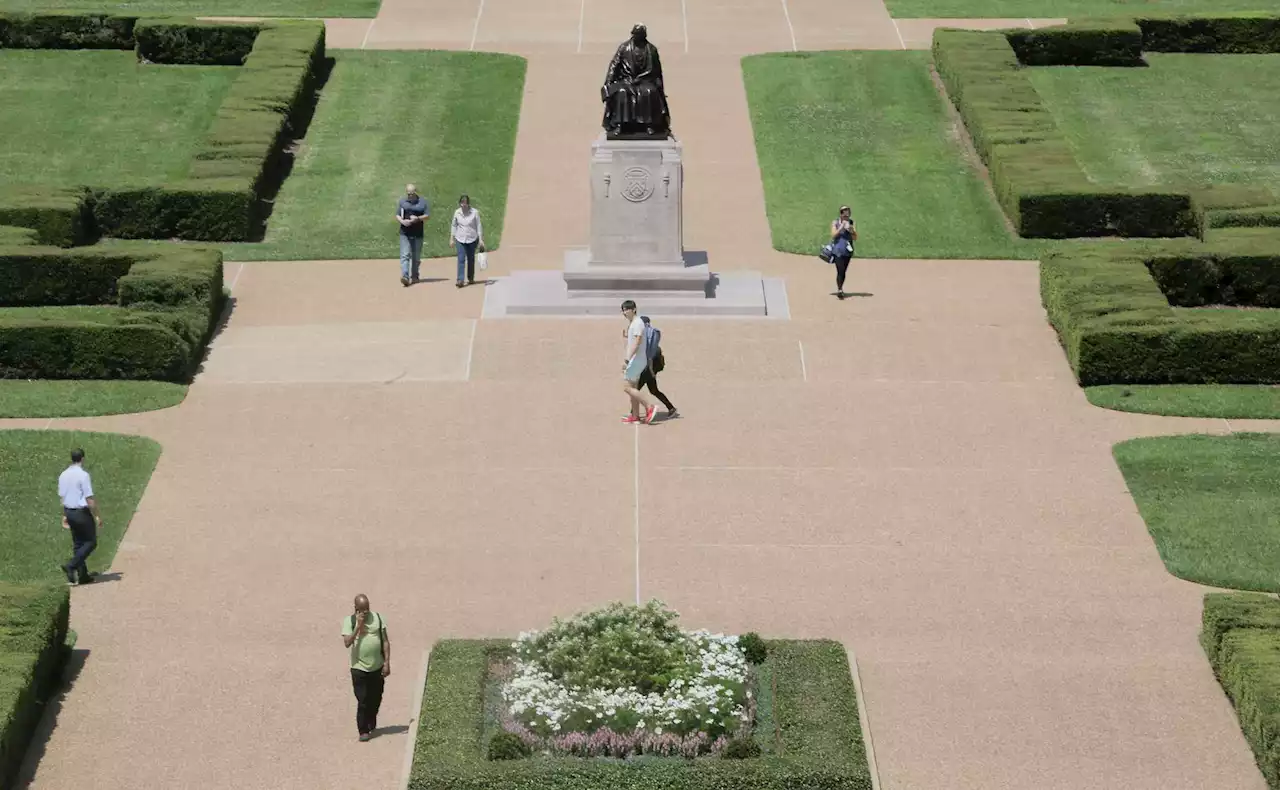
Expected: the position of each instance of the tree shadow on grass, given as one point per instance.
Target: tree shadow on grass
(282, 163)
(49, 718)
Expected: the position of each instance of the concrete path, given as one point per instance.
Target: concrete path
(913, 472)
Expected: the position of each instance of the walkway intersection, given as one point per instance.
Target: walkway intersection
(914, 473)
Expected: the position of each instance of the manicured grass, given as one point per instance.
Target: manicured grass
(1054, 9)
(815, 709)
(100, 118)
(1186, 121)
(868, 129)
(86, 398)
(1212, 505)
(1229, 401)
(294, 8)
(32, 541)
(445, 121)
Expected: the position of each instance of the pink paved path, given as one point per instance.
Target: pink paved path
(914, 473)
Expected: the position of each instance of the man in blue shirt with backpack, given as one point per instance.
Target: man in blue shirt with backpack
(649, 378)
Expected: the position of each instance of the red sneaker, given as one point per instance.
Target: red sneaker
(648, 416)
(631, 418)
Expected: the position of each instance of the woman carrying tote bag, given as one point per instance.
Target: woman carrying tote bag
(466, 234)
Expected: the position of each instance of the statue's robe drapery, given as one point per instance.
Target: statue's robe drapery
(634, 101)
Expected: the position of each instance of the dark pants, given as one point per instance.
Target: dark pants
(842, 268)
(467, 259)
(368, 687)
(650, 379)
(84, 539)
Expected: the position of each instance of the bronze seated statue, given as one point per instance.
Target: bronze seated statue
(635, 106)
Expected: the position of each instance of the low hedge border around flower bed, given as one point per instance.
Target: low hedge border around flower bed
(1035, 175)
(1112, 304)
(33, 634)
(1241, 637)
(243, 152)
(123, 310)
(815, 709)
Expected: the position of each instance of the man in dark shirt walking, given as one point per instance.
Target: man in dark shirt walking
(411, 212)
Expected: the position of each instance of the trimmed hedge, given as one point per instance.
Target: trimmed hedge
(126, 312)
(240, 158)
(1118, 326)
(195, 41)
(33, 633)
(1033, 171)
(52, 30)
(1221, 35)
(1241, 637)
(816, 710)
(1116, 43)
(61, 218)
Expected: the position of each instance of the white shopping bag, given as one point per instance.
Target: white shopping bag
(482, 260)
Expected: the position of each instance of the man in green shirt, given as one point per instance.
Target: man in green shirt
(365, 634)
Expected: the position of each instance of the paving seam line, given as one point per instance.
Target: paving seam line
(476, 29)
(790, 28)
(364, 41)
(471, 346)
(637, 511)
(413, 721)
(898, 30)
(804, 370)
(864, 720)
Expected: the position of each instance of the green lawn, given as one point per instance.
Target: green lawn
(1229, 401)
(443, 120)
(1212, 505)
(32, 541)
(86, 398)
(1187, 121)
(1054, 9)
(868, 129)
(295, 8)
(100, 118)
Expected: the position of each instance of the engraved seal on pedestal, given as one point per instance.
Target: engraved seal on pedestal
(637, 184)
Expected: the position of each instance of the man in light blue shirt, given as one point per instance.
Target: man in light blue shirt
(80, 515)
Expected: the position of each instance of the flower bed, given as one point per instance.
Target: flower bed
(625, 680)
(489, 707)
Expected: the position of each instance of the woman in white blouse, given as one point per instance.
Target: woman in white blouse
(466, 234)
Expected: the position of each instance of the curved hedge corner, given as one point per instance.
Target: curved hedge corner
(241, 157)
(119, 312)
(819, 740)
(1036, 178)
(1241, 637)
(33, 632)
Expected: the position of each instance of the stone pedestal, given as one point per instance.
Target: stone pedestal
(637, 187)
(637, 231)
(637, 251)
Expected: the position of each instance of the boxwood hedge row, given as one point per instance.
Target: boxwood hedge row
(1033, 171)
(220, 198)
(815, 707)
(117, 311)
(1147, 312)
(33, 632)
(1241, 637)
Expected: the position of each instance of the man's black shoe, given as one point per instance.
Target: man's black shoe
(71, 574)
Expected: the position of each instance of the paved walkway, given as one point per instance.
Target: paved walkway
(913, 472)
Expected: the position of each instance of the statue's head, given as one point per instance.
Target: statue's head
(639, 33)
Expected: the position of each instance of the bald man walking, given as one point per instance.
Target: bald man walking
(411, 212)
(364, 633)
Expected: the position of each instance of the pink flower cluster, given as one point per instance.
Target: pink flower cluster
(605, 742)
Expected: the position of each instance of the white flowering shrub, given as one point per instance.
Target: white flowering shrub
(627, 675)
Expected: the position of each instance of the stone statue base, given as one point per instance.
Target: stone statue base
(637, 250)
